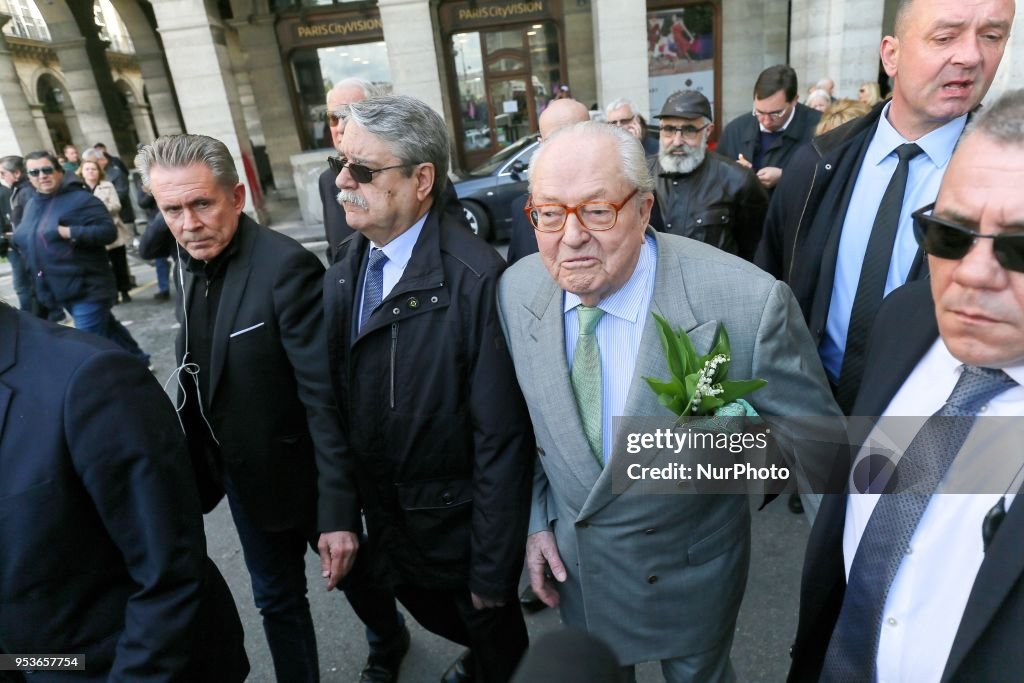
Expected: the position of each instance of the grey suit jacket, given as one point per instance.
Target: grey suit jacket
(655, 576)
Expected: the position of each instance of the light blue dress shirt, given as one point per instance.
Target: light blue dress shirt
(880, 161)
(399, 252)
(618, 336)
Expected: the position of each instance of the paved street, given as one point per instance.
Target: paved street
(767, 620)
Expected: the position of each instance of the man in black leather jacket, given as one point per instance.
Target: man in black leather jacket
(703, 195)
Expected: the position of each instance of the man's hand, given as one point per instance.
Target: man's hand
(742, 161)
(544, 563)
(481, 602)
(64, 231)
(769, 176)
(337, 553)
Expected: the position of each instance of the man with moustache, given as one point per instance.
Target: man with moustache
(438, 444)
(839, 230)
(255, 401)
(920, 585)
(703, 195)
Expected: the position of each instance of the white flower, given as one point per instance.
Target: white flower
(704, 386)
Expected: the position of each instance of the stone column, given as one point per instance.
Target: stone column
(199, 63)
(81, 86)
(838, 39)
(754, 38)
(159, 92)
(412, 55)
(265, 68)
(620, 51)
(17, 127)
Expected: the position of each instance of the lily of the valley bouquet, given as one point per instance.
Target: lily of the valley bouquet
(698, 384)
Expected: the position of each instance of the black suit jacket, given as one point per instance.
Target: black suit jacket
(270, 403)
(102, 550)
(743, 135)
(987, 646)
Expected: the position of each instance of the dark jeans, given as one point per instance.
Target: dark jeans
(95, 317)
(118, 257)
(496, 637)
(277, 569)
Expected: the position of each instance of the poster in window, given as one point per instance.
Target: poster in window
(680, 52)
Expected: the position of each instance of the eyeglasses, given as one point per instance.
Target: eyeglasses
(359, 173)
(688, 132)
(946, 240)
(595, 216)
(45, 170)
(777, 115)
(337, 116)
(623, 122)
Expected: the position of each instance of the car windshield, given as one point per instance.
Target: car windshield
(495, 162)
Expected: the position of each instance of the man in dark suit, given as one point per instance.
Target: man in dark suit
(102, 536)
(765, 142)
(839, 230)
(255, 398)
(438, 440)
(911, 586)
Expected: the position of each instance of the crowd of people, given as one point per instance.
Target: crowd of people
(429, 418)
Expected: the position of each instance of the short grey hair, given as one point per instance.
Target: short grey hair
(413, 132)
(818, 94)
(632, 159)
(1003, 121)
(621, 102)
(91, 155)
(13, 164)
(183, 150)
(369, 89)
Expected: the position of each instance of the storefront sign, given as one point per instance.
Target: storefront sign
(330, 29)
(465, 14)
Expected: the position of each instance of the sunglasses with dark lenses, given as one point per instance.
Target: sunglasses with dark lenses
(359, 173)
(45, 170)
(946, 240)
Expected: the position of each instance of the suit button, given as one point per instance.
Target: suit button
(649, 531)
(652, 579)
(447, 498)
(581, 525)
(540, 451)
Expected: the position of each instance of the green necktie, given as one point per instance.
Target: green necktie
(586, 378)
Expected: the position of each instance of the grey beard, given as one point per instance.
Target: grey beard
(671, 163)
(346, 197)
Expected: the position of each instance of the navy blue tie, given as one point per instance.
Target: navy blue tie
(853, 650)
(373, 289)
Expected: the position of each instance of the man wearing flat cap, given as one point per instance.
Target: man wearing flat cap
(703, 195)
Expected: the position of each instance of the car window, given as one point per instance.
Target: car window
(495, 162)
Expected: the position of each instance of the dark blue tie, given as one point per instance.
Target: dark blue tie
(853, 649)
(373, 289)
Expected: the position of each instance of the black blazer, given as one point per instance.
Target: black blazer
(102, 550)
(270, 402)
(987, 644)
(743, 135)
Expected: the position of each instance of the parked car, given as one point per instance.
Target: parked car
(487, 191)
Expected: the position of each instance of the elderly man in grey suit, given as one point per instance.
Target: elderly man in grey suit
(658, 577)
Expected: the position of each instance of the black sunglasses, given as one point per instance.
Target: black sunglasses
(943, 239)
(359, 173)
(45, 170)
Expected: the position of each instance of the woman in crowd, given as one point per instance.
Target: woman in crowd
(91, 173)
(869, 93)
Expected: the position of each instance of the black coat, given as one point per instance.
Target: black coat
(269, 401)
(439, 439)
(743, 135)
(102, 541)
(719, 203)
(986, 648)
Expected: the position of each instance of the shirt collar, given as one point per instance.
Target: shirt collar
(625, 303)
(1016, 372)
(937, 145)
(792, 113)
(399, 250)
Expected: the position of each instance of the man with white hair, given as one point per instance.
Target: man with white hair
(701, 194)
(623, 113)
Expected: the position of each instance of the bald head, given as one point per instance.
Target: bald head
(561, 113)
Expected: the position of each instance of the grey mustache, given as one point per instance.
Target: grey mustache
(349, 197)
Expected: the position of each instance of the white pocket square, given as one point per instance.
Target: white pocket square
(248, 329)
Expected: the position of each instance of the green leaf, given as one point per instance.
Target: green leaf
(734, 389)
(721, 345)
(688, 352)
(676, 364)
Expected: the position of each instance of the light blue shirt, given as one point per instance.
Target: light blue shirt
(880, 161)
(618, 336)
(399, 252)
